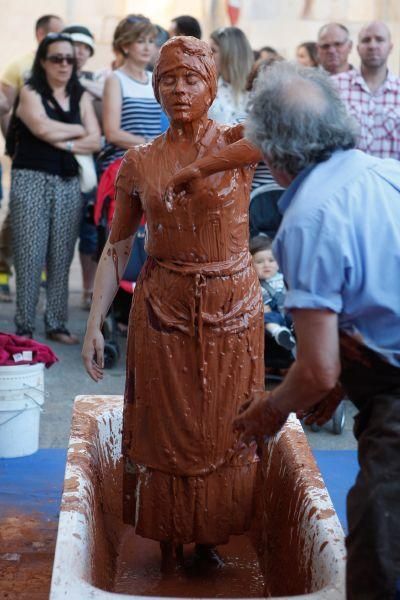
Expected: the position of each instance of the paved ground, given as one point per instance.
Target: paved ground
(67, 379)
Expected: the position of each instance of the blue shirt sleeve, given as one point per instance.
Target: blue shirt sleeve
(312, 265)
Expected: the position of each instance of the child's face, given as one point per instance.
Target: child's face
(265, 264)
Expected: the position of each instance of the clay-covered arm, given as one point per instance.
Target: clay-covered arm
(235, 155)
(127, 216)
(310, 379)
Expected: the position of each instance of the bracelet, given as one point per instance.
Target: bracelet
(69, 145)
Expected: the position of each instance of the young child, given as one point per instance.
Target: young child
(273, 291)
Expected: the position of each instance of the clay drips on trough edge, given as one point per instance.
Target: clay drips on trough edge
(287, 505)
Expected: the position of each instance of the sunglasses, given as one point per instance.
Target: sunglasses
(53, 35)
(58, 59)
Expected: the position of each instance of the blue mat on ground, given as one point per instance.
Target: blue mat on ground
(339, 469)
(34, 483)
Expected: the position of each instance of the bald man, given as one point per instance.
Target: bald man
(372, 94)
(333, 48)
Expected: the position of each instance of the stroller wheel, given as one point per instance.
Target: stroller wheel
(111, 355)
(338, 419)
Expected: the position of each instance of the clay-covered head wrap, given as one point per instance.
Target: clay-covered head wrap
(181, 51)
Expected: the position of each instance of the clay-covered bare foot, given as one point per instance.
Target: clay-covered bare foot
(171, 557)
(180, 558)
(168, 562)
(208, 555)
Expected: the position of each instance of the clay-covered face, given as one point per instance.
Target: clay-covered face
(184, 94)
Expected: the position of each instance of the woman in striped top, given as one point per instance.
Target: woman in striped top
(131, 114)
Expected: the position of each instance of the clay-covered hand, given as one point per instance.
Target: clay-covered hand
(93, 353)
(321, 412)
(180, 183)
(259, 418)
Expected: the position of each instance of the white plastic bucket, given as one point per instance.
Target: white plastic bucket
(21, 399)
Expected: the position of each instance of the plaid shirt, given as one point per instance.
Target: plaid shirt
(378, 113)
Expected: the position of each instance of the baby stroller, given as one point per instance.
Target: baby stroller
(264, 219)
(118, 315)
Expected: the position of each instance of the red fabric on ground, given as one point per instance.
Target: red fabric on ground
(15, 344)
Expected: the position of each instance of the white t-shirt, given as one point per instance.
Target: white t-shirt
(226, 109)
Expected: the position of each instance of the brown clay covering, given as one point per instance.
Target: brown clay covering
(27, 544)
(290, 493)
(195, 350)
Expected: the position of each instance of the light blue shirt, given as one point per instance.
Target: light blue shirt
(338, 246)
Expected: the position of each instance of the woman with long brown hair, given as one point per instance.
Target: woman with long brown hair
(234, 59)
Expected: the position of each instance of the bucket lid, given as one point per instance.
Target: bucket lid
(13, 369)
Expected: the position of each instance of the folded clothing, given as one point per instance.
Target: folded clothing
(17, 350)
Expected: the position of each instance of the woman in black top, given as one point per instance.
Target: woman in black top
(54, 121)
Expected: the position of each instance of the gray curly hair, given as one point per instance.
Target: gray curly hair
(297, 119)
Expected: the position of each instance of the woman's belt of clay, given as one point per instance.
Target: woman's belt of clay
(213, 269)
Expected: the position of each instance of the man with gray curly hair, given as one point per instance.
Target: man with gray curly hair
(344, 296)
(343, 293)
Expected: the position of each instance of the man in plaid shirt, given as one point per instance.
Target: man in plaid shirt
(372, 94)
(333, 48)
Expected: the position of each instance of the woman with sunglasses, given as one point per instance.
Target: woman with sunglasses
(54, 119)
(131, 114)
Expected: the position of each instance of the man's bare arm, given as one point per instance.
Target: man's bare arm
(311, 377)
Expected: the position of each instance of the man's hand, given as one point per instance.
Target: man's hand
(258, 418)
(321, 412)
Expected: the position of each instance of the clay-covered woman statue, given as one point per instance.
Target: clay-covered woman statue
(195, 343)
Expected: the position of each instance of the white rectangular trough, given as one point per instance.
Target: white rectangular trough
(296, 532)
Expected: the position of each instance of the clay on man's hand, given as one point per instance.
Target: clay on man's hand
(260, 418)
(321, 412)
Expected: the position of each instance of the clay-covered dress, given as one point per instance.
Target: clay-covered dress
(195, 350)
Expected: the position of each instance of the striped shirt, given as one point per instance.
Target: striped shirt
(263, 176)
(141, 114)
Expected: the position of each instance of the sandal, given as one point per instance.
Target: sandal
(62, 335)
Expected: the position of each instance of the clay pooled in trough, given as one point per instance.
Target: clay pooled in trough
(138, 572)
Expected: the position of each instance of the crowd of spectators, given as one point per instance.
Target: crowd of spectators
(84, 119)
